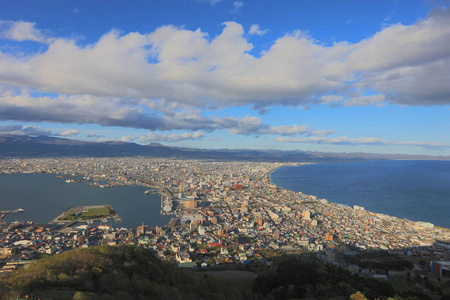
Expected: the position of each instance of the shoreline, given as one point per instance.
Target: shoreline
(36, 217)
(341, 204)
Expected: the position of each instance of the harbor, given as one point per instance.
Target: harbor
(3, 213)
(45, 196)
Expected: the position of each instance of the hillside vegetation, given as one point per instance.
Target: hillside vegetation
(124, 272)
(129, 272)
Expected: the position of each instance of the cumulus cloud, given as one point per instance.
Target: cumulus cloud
(174, 137)
(255, 29)
(21, 31)
(254, 126)
(190, 68)
(24, 130)
(108, 111)
(70, 132)
(165, 79)
(362, 141)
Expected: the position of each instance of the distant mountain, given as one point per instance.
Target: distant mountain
(45, 146)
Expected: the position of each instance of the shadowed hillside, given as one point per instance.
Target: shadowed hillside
(129, 272)
(124, 272)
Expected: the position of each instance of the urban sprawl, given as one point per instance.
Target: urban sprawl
(224, 213)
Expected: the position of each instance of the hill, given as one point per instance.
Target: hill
(45, 146)
(124, 272)
(129, 272)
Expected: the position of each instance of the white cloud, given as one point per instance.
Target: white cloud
(143, 80)
(237, 6)
(109, 111)
(127, 139)
(24, 130)
(255, 29)
(365, 100)
(69, 132)
(21, 31)
(362, 141)
(174, 137)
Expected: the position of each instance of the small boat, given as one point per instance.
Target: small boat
(17, 210)
(148, 192)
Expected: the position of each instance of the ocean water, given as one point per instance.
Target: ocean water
(45, 196)
(415, 190)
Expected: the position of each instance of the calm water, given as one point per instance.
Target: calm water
(45, 196)
(415, 190)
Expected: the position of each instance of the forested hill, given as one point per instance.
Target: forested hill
(130, 272)
(123, 272)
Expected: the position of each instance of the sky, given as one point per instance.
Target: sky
(312, 75)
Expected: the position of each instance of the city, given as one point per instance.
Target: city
(224, 213)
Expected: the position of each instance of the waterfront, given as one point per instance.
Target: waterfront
(218, 204)
(416, 190)
(45, 196)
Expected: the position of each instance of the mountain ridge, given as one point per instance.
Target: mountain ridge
(46, 146)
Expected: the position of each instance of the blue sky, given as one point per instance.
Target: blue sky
(336, 76)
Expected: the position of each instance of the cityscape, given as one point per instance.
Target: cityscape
(222, 213)
(217, 149)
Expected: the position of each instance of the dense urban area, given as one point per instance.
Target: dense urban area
(224, 214)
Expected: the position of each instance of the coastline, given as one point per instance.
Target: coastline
(43, 208)
(391, 215)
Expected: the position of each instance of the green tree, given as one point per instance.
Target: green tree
(358, 296)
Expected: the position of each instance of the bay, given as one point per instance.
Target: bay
(45, 196)
(415, 190)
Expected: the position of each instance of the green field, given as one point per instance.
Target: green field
(91, 214)
(96, 213)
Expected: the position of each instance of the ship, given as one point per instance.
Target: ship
(17, 210)
(148, 192)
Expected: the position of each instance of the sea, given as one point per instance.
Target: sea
(45, 196)
(414, 190)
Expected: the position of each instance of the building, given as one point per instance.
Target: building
(306, 215)
(190, 204)
(328, 237)
(238, 187)
(440, 268)
(183, 257)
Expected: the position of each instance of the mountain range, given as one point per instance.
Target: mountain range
(46, 146)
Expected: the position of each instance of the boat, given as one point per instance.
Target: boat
(17, 210)
(148, 192)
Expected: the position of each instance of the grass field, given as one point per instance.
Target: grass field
(90, 214)
(101, 211)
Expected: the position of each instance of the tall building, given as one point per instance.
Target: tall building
(306, 214)
(276, 235)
